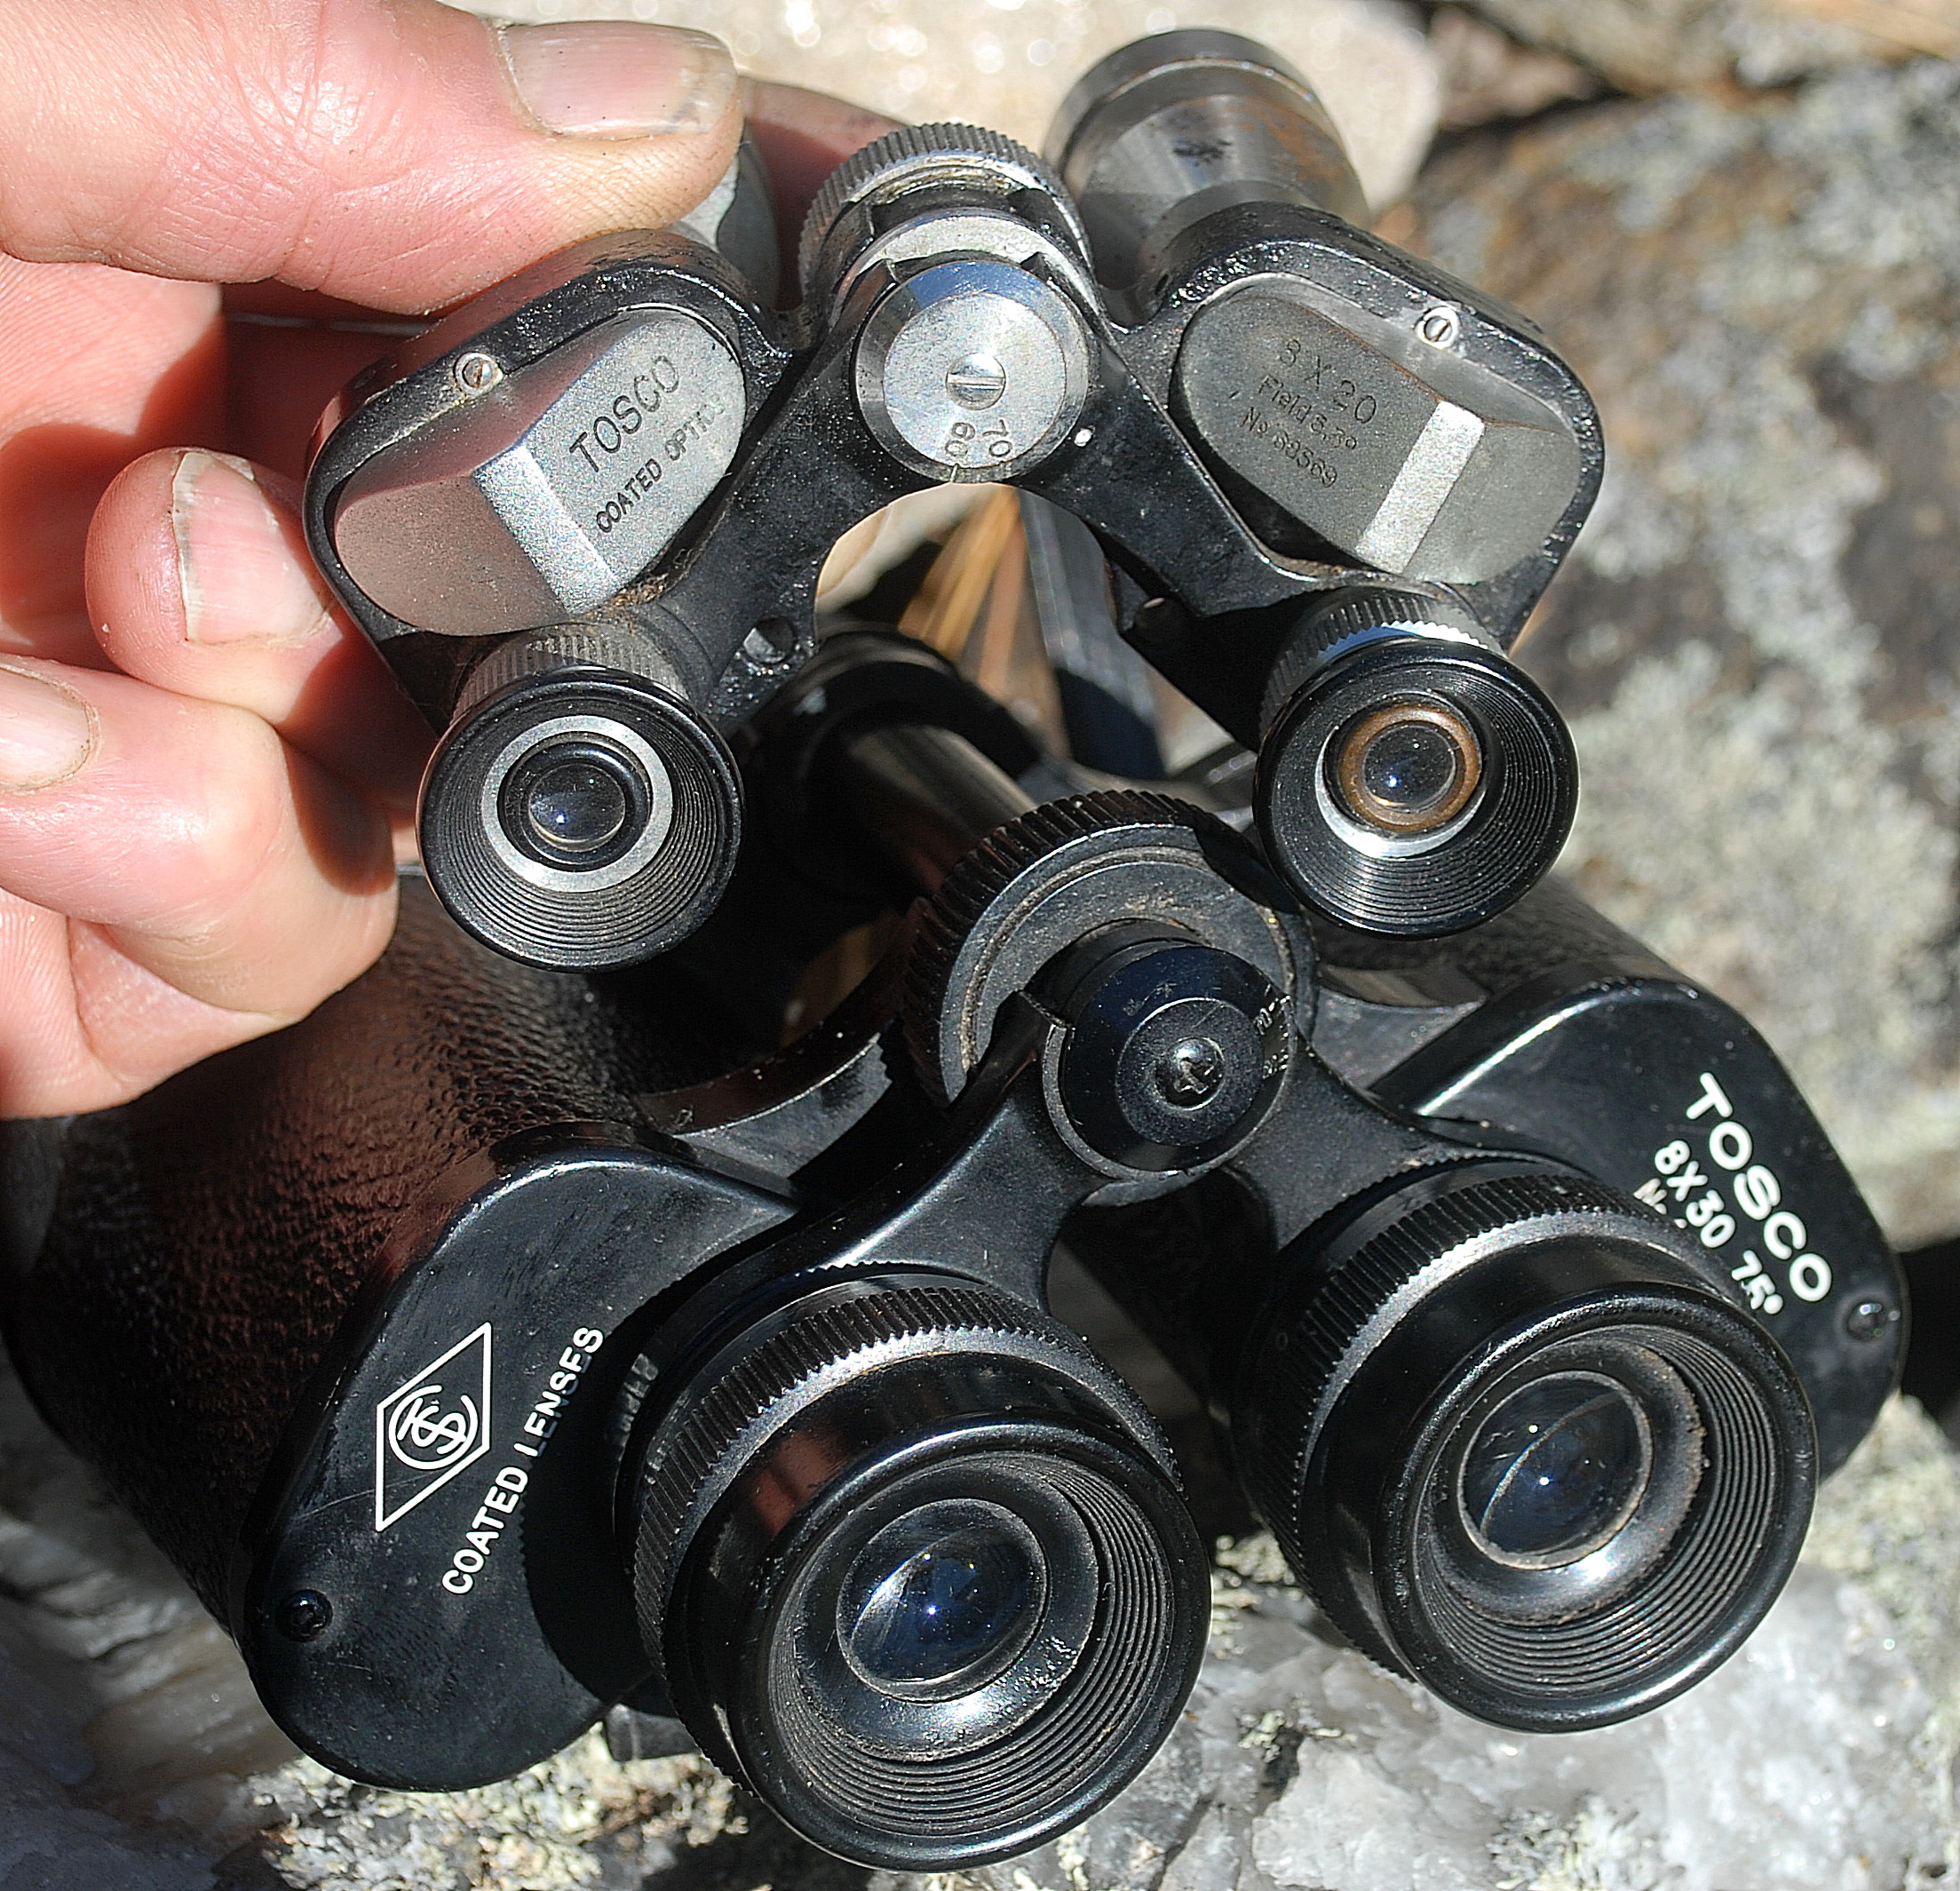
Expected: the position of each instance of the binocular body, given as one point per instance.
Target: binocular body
(532, 1332)
(495, 1346)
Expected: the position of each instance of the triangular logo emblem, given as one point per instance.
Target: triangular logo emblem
(432, 1427)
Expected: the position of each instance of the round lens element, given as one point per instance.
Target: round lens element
(1556, 1471)
(575, 803)
(1408, 767)
(943, 1595)
(577, 806)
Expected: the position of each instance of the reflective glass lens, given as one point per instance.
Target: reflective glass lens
(577, 806)
(926, 1601)
(1407, 769)
(1555, 1470)
(1410, 766)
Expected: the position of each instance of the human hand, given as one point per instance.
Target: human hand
(205, 772)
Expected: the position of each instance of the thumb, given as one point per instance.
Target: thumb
(396, 153)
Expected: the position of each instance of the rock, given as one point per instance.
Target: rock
(1006, 63)
(1656, 45)
(1756, 637)
(1489, 76)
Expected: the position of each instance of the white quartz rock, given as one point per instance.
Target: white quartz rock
(1794, 1765)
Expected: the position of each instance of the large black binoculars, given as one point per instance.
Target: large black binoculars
(535, 1335)
(584, 516)
(501, 1346)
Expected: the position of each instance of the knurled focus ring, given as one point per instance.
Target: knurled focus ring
(694, 1458)
(952, 153)
(995, 916)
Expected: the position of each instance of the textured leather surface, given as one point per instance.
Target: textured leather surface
(207, 1239)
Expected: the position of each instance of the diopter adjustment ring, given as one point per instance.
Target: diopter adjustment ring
(921, 156)
(1031, 888)
(565, 646)
(1354, 618)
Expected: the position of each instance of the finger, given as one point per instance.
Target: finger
(199, 847)
(397, 153)
(803, 137)
(199, 583)
(93, 364)
(86, 1027)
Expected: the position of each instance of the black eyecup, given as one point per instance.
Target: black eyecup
(1393, 1342)
(542, 916)
(756, 1493)
(1487, 858)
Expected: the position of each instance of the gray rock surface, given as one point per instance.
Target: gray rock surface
(1756, 637)
(1656, 45)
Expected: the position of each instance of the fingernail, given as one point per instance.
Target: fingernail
(239, 563)
(46, 732)
(617, 78)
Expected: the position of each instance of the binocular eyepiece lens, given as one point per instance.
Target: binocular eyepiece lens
(576, 805)
(577, 816)
(1555, 1470)
(916, 1569)
(1526, 1455)
(941, 1601)
(1412, 780)
(1408, 767)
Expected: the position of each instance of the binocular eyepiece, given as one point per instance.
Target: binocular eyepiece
(1292, 439)
(579, 812)
(1411, 778)
(1521, 1453)
(915, 1565)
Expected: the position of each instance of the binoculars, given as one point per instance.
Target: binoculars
(532, 1335)
(584, 516)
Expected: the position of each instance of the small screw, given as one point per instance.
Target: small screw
(302, 1615)
(1440, 326)
(1190, 1073)
(1869, 1319)
(977, 382)
(476, 373)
